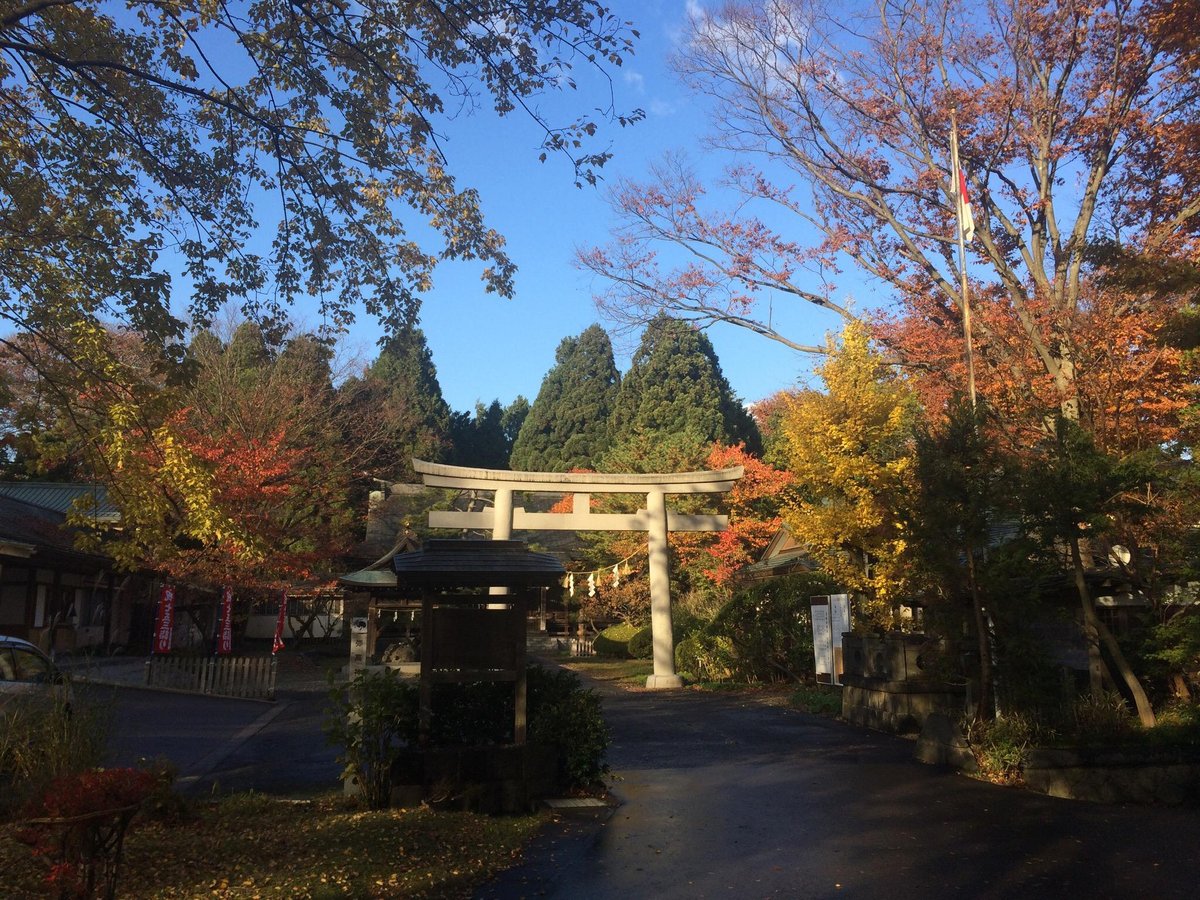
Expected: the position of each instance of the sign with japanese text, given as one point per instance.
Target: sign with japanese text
(164, 619)
(277, 644)
(225, 635)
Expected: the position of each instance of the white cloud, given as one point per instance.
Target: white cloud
(634, 79)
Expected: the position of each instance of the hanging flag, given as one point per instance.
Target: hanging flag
(965, 216)
(962, 199)
(225, 634)
(571, 584)
(591, 584)
(616, 576)
(277, 644)
(164, 619)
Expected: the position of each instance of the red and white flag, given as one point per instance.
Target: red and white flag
(225, 635)
(277, 644)
(966, 220)
(164, 619)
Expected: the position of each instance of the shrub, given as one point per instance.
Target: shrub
(1002, 746)
(641, 644)
(375, 718)
(614, 641)
(78, 825)
(1099, 719)
(564, 714)
(767, 629)
(41, 740)
(706, 657)
(818, 699)
(372, 719)
(560, 712)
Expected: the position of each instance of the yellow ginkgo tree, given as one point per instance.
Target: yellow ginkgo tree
(851, 450)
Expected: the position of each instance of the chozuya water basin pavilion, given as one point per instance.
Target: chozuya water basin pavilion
(654, 518)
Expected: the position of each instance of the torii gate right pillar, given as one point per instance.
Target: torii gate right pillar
(661, 627)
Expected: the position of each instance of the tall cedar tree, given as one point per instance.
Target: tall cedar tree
(485, 440)
(567, 427)
(675, 387)
(402, 386)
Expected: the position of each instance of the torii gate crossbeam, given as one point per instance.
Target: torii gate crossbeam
(655, 519)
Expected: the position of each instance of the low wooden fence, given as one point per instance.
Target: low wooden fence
(228, 676)
(581, 647)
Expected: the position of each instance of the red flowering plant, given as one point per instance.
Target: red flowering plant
(79, 824)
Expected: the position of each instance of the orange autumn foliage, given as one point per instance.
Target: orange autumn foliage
(1131, 387)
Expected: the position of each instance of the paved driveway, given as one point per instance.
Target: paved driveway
(724, 798)
(219, 741)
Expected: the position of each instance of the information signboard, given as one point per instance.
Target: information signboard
(830, 620)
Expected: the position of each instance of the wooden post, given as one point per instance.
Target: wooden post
(518, 632)
(425, 701)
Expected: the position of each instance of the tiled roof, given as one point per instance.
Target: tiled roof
(61, 497)
(43, 530)
(476, 564)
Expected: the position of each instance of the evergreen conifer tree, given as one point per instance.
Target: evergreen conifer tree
(402, 384)
(567, 426)
(675, 387)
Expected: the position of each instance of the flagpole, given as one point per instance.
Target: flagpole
(956, 180)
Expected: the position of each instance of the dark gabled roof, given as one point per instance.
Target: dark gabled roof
(62, 497)
(459, 563)
(44, 532)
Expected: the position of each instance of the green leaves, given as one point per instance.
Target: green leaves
(165, 138)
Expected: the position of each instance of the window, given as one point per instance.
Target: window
(29, 666)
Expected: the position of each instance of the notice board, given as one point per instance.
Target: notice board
(830, 620)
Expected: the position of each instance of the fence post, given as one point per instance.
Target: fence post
(271, 681)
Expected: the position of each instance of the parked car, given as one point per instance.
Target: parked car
(27, 672)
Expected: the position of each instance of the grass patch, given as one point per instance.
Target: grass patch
(630, 672)
(819, 699)
(250, 845)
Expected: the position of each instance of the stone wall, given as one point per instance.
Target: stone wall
(900, 707)
(1114, 776)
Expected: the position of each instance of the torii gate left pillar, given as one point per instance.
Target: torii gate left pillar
(655, 519)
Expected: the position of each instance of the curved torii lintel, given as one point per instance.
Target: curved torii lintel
(716, 481)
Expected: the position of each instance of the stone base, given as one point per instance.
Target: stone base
(663, 682)
(900, 707)
(942, 744)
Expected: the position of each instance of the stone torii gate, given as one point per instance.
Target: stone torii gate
(655, 519)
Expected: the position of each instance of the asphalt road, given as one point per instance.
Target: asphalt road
(725, 798)
(219, 742)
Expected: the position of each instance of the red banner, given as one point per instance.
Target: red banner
(225, 635)
(164, 620)
(277, 645)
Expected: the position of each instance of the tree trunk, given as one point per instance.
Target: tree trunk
(1097, 631)
(1179, 683)
(985, 708)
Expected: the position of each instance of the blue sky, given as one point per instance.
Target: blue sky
(487, 347)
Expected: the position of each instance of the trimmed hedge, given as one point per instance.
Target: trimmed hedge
(613, 641)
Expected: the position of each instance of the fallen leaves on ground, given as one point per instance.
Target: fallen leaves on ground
(253, 846)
